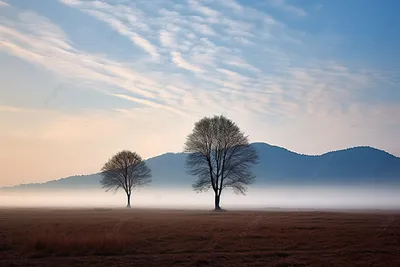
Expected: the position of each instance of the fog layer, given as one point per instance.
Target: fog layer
(276, 197)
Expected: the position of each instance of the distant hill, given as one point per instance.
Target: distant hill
(352, 165)
(277, 166)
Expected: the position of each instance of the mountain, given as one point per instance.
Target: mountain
(277, 166)
(352, 165)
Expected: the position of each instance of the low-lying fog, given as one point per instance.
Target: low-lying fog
(256, 198)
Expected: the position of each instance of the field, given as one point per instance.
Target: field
(122, 237)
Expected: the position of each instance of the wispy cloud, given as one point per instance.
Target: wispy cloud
(282, 4)
(116, 24)
(4, 108)
(232, 4)
(198, 7)
(182, 63)
(203, 28)
(148, 103)
(167, 39)
(3, 4)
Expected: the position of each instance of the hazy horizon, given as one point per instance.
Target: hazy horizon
(335, 197)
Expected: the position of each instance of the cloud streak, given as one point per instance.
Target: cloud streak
(182, 63)
(3, 4)
(147, 103)
(202, 9)
(4, 108)
(282, 4)
(114, 23)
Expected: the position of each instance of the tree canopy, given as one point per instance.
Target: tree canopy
(125, 170)
(220, 156)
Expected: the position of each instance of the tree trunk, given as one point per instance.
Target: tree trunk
(216, 203)
(129, 200)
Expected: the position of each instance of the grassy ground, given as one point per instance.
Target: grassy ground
(121, 237)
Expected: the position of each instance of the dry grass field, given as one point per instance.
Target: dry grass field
(122, 237)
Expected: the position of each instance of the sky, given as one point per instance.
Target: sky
(81, 80)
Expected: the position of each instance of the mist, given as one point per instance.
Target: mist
(256, 198)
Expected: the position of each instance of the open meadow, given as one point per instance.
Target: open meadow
(133, 237)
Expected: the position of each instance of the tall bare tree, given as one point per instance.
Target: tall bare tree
(221, 157)
(125, 170)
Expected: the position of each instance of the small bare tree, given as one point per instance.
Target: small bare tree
(125, 170)
(221, 157)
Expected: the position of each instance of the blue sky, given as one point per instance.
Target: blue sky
(83, 79)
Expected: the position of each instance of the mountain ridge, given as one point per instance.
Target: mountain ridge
(277, 165)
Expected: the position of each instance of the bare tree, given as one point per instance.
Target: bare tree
(221, 157)
(125, 170)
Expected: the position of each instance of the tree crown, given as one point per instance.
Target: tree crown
(220, 155)
(125, 170)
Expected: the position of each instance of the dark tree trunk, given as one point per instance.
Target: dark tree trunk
(216, 203)
(129, 200)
